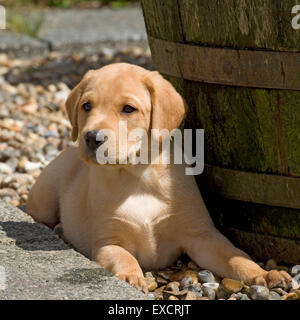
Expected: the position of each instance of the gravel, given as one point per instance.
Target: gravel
(34, 129)
(205, 276)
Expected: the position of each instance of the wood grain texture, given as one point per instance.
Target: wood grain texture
(250, 187)
(247, 68)
(162, 19)
(263, 24)
(248, 129)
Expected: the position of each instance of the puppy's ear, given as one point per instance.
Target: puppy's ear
(168, 107)
(73, 101)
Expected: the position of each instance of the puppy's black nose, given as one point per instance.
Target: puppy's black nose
(90, 140)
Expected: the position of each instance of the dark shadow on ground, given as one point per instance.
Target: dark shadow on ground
(33, 236)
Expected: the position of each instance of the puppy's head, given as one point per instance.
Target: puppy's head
(116, 93)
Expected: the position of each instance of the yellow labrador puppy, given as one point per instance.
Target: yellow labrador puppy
(128, 217)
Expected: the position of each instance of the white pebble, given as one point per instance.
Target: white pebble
(30, 166)
(295, 270)
(5, 168)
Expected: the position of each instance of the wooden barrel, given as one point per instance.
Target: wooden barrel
(237, 63)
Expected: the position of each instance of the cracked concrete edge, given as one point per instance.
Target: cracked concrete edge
(35, 264)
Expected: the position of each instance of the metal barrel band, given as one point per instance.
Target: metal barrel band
(281, 191)
(236, 67)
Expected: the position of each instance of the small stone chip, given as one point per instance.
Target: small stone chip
(186, 282)
(190, 296)
(205, 276)
(151, 283)
(274, 296)
(295, 270)
(290, 296)
(209, 293)
(193, 275)
(259, 293)
(172, 286)
(232, 286)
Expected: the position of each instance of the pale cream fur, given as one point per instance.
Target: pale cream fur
(129, 217)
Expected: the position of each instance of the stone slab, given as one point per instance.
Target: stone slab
(37, 264)
(92, 29)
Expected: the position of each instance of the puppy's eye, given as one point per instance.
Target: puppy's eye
(87, 107)
(128, 109)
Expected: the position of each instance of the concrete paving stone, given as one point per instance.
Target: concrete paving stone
(36, 264)
(91, 29)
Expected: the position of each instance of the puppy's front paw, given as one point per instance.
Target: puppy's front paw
(273, 279)
(135, 280)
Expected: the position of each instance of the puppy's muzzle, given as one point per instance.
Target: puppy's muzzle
(91, 140)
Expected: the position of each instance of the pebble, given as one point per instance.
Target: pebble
(222, 293)
(209, 292)
(186, 282)
(259, 292)
(30, 107)
(158, 296)
(193, 274)
(194, 287)
(274, 295)
(297, 293)
(243, 296)
(165, 274)
(232, 286)
(280, 291)
(178, 276)
(172, 286)
(296, 282)
(211, 285)
(8, 192)
(5, 168)
(149, 275)
(161, 281)
(191, 296)
(180, 294)
(160, 289)
(151, 284)
(295, 270)
(290, 296)
(205, 276)
(31, 166)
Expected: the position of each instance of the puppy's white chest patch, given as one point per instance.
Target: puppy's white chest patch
(142, 215)
(143, 209)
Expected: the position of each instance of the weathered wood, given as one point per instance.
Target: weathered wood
(250, 217)
(248, 68)
(262, 246)
(162, 19)
(264, 24)
(247, 129)
(251, 187)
